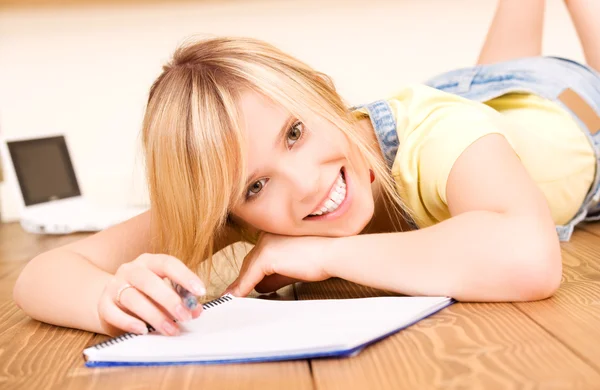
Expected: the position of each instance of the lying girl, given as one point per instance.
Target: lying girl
(461, 187)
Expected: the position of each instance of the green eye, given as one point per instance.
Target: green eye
(295, 132)
(256, 187)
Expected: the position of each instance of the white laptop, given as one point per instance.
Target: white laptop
(50, 201)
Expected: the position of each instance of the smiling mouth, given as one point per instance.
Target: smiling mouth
(335, 197)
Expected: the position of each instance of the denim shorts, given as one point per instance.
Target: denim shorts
(574, 86)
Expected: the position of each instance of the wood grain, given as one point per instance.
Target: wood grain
(7, 268)
(591, 227)
(34, 355)
(7, 281)
(488, 346)
(18, 245)
(277, 375)
(547, 344)
(572, 315)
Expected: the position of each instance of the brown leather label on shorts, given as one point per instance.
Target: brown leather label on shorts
(580, 108)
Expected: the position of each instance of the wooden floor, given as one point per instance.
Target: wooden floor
(550, 344)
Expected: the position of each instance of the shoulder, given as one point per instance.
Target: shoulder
(434, 129)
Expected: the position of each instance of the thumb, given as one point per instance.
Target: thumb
(273, 283)
(232, 288)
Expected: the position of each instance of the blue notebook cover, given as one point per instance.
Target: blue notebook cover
(259, 330)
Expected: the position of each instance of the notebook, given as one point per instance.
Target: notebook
(234, 330)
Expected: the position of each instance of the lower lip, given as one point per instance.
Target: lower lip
(342, 208)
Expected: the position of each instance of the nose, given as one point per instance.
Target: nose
(303, 179)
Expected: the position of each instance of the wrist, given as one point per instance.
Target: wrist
(100, 325)
(333, 253)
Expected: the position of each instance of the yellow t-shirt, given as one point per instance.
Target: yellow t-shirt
(435, 127)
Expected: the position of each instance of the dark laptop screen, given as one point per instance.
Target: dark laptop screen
(44, 169)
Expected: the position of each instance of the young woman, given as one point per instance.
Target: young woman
(461, 188)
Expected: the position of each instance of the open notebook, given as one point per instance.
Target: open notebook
(249, 330)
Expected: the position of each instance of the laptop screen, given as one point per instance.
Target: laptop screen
(44, 169)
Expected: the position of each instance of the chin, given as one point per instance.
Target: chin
(358, 223)
(360, 227)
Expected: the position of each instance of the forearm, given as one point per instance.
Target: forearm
(475, 256)
(62, 288)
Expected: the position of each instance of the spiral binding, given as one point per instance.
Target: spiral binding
(123, 337)
(217, 302)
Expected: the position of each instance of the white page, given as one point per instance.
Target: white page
(247, 328)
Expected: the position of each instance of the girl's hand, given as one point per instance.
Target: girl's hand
(137, 294)
(276, 261)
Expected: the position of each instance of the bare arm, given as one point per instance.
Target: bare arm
(63, 286)
(500, 244)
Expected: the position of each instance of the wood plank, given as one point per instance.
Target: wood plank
(590, 227)
(8, 279)
(572, 315)
(7, 268)
(276, 375)
(466, 345)
(18, 245)
(35, 355)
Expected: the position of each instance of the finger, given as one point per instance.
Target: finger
(196, 312)
(248, 259)
(273, 283)
(154, 287)
(139, 304)
(116, 317)
(246, 281)
(174, 269)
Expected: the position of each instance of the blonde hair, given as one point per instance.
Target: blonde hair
(194, 146)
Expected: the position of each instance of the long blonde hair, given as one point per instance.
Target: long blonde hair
(194, 146)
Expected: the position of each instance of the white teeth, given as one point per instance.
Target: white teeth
(336, 197)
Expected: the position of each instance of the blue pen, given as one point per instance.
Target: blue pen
(189, 299)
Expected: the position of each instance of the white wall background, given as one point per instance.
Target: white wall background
(85, 71)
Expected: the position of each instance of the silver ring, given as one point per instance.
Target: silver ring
(125, 287)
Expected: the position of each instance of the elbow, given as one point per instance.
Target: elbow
(18, 290)
(23, 286)
(539, 269)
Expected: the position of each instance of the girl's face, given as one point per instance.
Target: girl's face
(305, 178)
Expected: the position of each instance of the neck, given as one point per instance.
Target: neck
(381, 222)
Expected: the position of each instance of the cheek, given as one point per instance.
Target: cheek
(267, 216)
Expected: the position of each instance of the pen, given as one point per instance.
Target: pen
(189, 299)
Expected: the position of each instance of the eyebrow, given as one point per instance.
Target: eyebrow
(282, 133)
